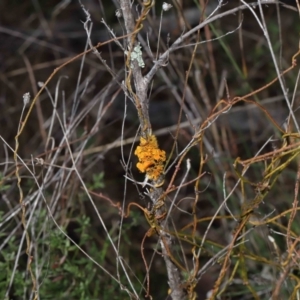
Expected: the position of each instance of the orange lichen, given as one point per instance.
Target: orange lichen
(151, 158)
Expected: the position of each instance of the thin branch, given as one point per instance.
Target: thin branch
(164, 57)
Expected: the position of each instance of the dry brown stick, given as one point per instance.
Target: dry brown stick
(141, 85)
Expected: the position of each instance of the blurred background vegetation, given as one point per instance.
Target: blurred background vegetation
(39, 36)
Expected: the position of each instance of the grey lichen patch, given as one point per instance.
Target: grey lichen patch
(137, 55)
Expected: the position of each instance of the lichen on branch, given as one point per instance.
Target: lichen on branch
(151, 158)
